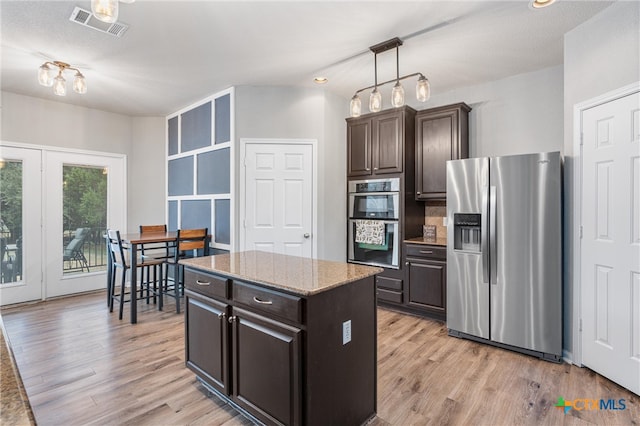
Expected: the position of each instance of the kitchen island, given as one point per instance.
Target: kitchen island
(284, 339)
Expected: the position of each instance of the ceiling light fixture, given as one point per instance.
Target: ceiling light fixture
(423, 88)
(539, 4)
(107, 10)
(320, 80)
(46, 78)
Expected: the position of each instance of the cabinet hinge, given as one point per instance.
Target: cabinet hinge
(580, 231)
(580, 325)
(581, 138)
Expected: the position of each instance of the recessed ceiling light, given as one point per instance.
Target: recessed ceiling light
(539, 4)
(320, 80)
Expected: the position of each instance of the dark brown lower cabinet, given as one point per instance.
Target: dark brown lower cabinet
(284, 358)
(266, 366)
(207, 351)
(426, 280)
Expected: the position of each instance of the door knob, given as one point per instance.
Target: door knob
(307, 235)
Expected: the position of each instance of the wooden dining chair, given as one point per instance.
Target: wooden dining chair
(119, 261)
(189, 243)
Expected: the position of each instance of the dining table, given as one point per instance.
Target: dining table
(134, 242)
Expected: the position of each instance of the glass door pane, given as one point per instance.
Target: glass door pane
(84, 218)
(10, 221)
(20, 225)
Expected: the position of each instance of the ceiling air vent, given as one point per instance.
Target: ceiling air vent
(84, 17)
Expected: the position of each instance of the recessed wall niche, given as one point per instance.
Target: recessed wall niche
(199, 168)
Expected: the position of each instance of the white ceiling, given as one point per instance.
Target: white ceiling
(178, 52)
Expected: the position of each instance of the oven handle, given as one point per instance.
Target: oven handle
(385, 221)
(364, 194)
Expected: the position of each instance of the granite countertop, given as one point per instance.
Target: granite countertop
(298, 275)
(14, 404)
(440, 241)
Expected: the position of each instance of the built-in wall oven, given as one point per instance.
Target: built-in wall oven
(373, 222)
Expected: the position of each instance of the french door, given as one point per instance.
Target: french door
(58, 219)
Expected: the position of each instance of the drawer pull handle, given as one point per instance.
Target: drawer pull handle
(203, 282)
(262, 302)
(426, 251)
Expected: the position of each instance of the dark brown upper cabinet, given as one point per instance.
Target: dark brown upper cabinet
(442, 134)
(376, 142)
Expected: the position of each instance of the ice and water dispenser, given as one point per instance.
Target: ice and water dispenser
(466, 232)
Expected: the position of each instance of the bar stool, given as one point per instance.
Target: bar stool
(154, 251)
(119, 260)
(189, 243)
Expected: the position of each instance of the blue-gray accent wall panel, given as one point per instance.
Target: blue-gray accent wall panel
(214, 172)
(173, 215)
(180, 176)
(223, 222)
(223, 119)
(195, 214)
(173, 135)
(195, 128)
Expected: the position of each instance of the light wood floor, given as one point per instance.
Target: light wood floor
(81, 365)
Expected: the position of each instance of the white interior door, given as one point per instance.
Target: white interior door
(610, 246)
(278, 198)
(20, 226)
(82, 191)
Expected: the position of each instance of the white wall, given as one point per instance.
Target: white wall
(37, 121)
(147, 169)
(288, 113)
(601, 55)
(516, 115)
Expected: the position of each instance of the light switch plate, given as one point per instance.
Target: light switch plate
(444, 221)
(346, 332)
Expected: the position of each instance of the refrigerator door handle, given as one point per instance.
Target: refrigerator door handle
(484, 234)
(493, 253)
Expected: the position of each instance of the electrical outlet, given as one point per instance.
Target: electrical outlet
(346, 332)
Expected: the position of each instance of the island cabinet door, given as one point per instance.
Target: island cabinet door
(207, 349)
(266, 367)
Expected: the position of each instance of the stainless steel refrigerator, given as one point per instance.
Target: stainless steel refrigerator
(504, 252)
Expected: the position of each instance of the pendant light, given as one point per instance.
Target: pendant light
(375, 100)
(397, 94)
(423, 88)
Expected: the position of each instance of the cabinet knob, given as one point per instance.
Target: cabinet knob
(221, 316)
(375, 168)
(232, 319)
(407, 263)
(418, 193)
(368, 169)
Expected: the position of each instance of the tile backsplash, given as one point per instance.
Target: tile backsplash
(434, 215)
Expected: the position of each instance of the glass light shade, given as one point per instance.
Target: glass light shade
(44, 76)
(423, 89)
(355, 107)
(105, 10)
(79, 84)
(375, 101)
(397, 95)
(60, 86)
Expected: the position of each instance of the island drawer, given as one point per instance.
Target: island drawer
(206, 284)
(276, 303)
(421, 250)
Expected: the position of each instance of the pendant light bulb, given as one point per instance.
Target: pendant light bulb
(397, 95)
(355, 107)
(44, 75)
(59, 85)
(375, 101)
(423, 89)
(105, 10)
(79, 84)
